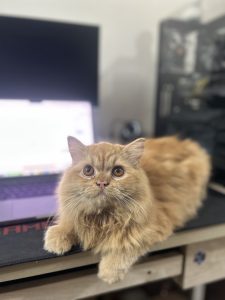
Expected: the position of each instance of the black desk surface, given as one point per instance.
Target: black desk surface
(24, 243)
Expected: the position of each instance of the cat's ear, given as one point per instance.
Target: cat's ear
(134, 151)
(76, 148)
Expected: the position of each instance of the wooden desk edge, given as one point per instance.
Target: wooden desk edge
(85, 283)
(50, 265)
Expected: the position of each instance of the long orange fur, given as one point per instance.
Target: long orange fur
(163, 186)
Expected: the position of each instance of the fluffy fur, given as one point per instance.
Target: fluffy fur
(163, 185)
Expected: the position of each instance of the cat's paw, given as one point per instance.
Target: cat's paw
(56, 241)
(111, 275)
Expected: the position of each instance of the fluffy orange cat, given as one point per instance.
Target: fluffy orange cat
(120, 200)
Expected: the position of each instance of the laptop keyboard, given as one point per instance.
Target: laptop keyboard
(18, 188)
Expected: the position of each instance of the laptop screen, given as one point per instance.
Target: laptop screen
(34, 135)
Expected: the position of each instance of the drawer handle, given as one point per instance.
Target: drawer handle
(200, 257)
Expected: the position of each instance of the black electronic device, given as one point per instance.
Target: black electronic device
(48, 60)
(191, 84)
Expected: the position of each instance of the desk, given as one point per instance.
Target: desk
(192, 257)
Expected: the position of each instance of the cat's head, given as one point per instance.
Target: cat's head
(103, 175)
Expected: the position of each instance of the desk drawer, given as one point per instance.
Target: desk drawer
(82, 284)
(203, 263)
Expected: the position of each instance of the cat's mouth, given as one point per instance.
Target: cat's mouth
(102, 193)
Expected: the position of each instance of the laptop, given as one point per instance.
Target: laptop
(33, 153)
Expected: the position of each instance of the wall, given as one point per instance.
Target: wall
(212, 9)
(128, 49)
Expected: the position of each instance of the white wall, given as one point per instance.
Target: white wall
(212, 9)
(128, 49)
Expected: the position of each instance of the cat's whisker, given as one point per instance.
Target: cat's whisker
(125, 203)
(121, 200)
(132, 201)
(70, 206)
(50, 221)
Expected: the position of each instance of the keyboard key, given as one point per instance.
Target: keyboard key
(27, 189)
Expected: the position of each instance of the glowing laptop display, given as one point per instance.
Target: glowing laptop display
(33, 135)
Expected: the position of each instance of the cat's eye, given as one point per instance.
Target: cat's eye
(118, 171)
(88, 170)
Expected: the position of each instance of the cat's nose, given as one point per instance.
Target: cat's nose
(102, 184)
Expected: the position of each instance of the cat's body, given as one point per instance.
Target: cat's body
(163, 183)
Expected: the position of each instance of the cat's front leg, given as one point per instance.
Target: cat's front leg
(114, 266)
(59, 238)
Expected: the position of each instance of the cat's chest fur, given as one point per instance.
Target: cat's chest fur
(96, 228)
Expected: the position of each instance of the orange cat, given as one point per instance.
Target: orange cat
(120, 200)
